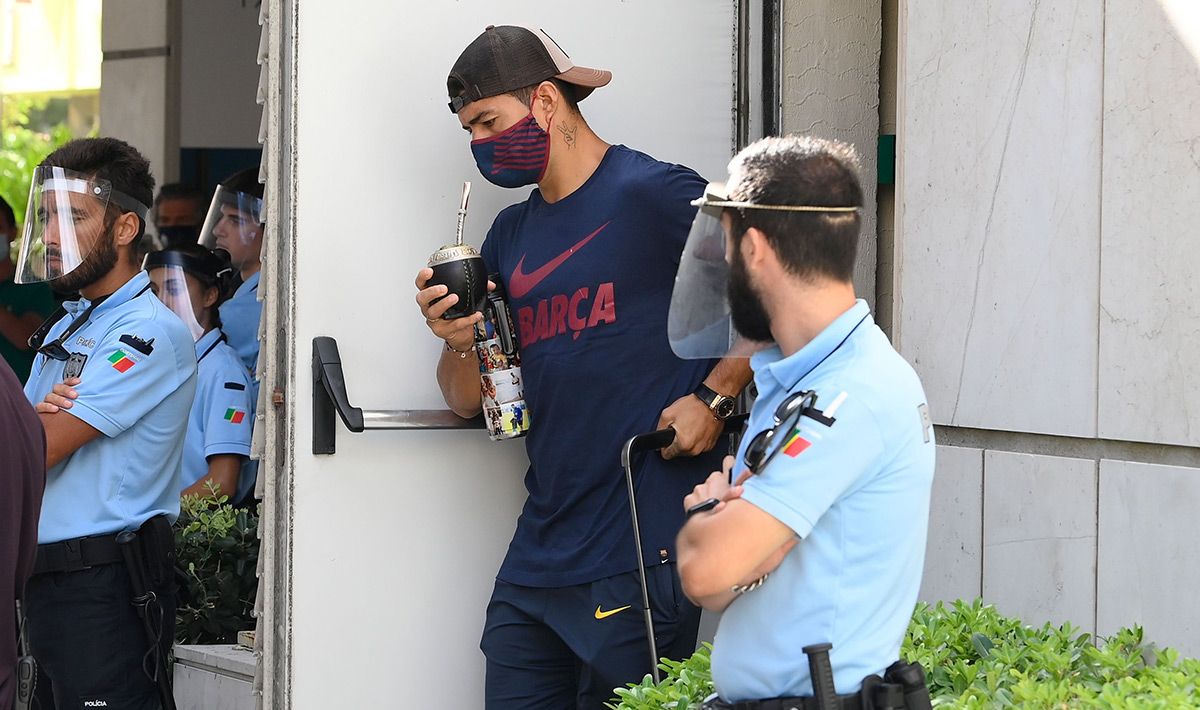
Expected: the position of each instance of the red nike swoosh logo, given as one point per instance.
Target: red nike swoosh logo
(522, 283)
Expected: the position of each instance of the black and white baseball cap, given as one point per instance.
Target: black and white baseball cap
(506, 58)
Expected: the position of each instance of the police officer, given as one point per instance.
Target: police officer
(821, 540)
(102, 584)
(193, 282)
(235, 224)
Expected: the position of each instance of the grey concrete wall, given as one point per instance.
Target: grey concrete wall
(1044, 287)
(830, 89)
(139, 94)
(219, 74)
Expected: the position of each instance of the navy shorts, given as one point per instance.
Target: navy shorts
(569, 647)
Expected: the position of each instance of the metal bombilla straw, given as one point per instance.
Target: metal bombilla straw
(462, 213)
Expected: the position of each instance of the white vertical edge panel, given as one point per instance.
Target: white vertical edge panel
(831, 90)
(1039, 537)
(396, 538)
(998, 211)
(272, 430)
(1150, 285)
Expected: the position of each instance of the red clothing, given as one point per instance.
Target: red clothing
(22, 480)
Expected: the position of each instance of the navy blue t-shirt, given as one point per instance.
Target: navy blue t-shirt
(589, 280)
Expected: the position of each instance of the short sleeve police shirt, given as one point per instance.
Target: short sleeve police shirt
(853, 482)
(222, 414)
(137, 365)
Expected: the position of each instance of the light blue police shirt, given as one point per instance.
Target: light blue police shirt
(137, 365)
(222, 416)
(239, 320)
(856, 490)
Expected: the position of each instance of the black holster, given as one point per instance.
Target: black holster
(149, 556)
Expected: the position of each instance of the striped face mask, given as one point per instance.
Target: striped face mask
(515, 157)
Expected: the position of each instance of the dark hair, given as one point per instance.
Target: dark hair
(113, 160)
(181, 191)
(565, 89)
(6, 212)
(800, 170)
(246, 181)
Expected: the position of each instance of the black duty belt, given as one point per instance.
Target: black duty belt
(853, 701)
(77, 554)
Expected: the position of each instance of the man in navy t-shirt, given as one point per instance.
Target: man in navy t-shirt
(588, 262)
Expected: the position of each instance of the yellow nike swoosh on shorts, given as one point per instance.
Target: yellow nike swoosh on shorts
(606, 614)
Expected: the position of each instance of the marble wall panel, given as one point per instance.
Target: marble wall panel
(1039, 537)
(998, 211)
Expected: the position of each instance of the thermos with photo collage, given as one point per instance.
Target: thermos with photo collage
(504, 410)
(460, 268)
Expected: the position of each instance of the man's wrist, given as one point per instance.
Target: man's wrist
(719, 404)
(460, 353)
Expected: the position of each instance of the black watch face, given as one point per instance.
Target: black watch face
(725, 408)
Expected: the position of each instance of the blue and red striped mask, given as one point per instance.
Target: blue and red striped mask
(516, 157)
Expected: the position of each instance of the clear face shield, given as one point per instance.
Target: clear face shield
(65, 221)
(235, 224)
(700, 322)
(174, 279)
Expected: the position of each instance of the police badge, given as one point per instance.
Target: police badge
(75, 365)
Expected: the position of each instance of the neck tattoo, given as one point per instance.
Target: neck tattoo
(568, 132)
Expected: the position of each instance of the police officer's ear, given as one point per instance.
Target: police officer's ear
(211, 295)
(756, 248)
(125, 228)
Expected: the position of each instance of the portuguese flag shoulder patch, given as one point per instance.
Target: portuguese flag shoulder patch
(121, 362)
(796, 444)
(234, 415)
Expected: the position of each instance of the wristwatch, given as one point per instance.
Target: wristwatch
(720, 405)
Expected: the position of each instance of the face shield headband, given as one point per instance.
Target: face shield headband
(699, 325)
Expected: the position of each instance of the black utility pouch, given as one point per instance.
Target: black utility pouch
(910, 677)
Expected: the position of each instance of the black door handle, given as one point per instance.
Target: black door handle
(329, 396)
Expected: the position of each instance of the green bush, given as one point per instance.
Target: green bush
(684, 684)
(217, 546)
(975, 658)
(24, 142)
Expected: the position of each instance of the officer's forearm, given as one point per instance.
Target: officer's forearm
(459, 379)
(65, 434)
(224, 470)
(730, 376)
(692, 568)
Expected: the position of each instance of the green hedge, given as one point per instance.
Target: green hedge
(976, 658)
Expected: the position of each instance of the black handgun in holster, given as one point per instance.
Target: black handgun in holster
(149, 556)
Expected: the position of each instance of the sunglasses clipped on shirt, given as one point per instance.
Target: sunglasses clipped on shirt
(770, 441)
(56, 349)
